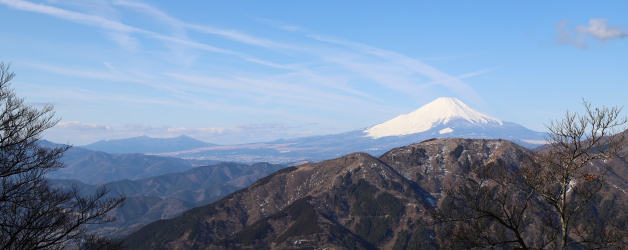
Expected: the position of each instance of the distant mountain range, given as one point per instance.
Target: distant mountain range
(353, 202)
(165, 196)
(443, 117)
(145, 144)
(99, 167)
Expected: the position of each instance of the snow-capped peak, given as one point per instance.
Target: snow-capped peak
(440, 111)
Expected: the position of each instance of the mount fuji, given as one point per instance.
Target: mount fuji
(443, 117)
(440, 112)
(450, 117)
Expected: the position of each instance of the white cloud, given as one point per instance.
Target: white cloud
(600, 30)
(597, 28)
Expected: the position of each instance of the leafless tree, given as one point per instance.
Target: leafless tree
(34, 215)
(490, 208)
(568, 179)
(553, 199)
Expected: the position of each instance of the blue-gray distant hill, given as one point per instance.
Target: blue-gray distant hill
(145, 145)
(93, 167)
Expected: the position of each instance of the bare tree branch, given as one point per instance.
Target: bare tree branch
(552, 201)
(32, 214)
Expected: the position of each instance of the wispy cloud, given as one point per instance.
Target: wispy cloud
(281, 25)
(407, 63)
(188, 93)
(384, 74)
(597, 28)
(415, 65)
(226, 33)
(281, 90)
(463, 76)
(69, 96)
(70, 15)
(111, 75)
(390, 69)
(111, 25)
(314, 72)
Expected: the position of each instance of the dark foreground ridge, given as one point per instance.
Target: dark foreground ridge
(352, 202)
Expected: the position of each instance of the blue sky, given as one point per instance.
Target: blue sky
(243, 71)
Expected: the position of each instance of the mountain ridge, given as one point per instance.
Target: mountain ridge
(353, 202)
(352, 197)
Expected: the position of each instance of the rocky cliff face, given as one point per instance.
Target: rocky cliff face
(353, 202)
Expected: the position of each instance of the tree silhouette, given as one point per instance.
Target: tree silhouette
(34, 215)
(553, 199)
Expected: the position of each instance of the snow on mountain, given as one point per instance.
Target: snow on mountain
(445, 130)
(438, 112)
